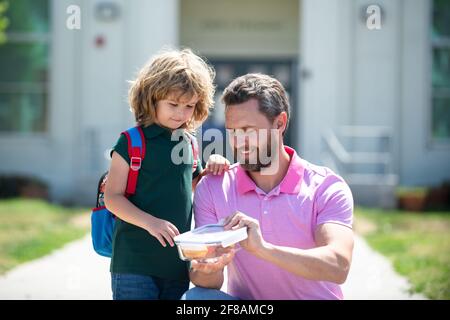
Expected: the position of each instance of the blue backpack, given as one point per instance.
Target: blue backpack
(103, 220)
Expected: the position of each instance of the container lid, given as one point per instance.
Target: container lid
(212, 234)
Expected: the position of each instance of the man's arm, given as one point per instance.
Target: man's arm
(329, 261)
(331, 258)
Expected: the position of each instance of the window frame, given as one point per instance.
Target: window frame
(440, 43)
(42, 87)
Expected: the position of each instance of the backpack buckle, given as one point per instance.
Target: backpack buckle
(135, 163)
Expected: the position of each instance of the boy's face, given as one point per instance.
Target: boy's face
(175, 110)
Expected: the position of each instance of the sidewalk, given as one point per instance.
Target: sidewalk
(76, 272)
(372, 277)
(73, 272)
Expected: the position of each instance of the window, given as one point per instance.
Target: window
(24, 65)
(441, 70)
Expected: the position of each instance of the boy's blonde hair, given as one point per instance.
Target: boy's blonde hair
(172, 72)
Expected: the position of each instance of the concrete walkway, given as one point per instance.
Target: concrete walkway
(76, 272)
(73, 272)
(372, 277)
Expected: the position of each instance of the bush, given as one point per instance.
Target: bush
(421, 198)
(412, 199)
(439, 197)
(22, 186)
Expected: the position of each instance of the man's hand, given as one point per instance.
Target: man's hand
(212, 267)
(255, 242)
(210, 274)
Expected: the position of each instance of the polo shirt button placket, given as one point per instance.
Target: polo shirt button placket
(265, 220)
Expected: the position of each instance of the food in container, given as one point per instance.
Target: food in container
(207, 243)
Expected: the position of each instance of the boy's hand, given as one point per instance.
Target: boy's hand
(217, 164)
(162, 230)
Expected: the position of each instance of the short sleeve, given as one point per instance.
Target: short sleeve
(121, 148)
(334, 202)
(198, 169)
(204, 210)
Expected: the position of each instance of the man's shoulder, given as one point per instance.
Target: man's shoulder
(317, 174)
(314, 169)
(226, 178)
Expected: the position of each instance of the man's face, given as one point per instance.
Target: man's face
(250, 135)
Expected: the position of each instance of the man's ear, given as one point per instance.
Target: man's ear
(281, 121)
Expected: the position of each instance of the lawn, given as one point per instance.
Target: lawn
(30, 229)
(418, 244)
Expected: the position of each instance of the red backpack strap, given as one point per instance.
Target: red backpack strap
(136, 152)
(194, 145)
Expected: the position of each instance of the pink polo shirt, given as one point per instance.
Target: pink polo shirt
(308, 196)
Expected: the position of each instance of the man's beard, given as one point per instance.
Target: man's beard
(255, 165)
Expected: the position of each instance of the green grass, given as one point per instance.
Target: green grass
(418, 244)
(30, 229)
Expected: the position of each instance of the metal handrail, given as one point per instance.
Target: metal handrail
(345, 158)
(365, 131)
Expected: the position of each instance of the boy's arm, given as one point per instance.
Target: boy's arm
(217, 164)
(196, 180)
(117, 203)
(115, 200)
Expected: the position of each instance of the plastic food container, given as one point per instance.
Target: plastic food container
(207, 243)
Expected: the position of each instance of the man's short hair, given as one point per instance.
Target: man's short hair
(269, 92)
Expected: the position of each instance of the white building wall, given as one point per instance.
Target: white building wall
(319, 45)
(101, 86)
(88, 93)
(353, 71)
(422, 160)
(356, 76)
(63, 104)
(141, 30)
(376, 82)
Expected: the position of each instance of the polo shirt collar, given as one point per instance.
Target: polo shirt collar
(290, 184)
(155, 130)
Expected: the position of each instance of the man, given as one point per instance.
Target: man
(298, 215)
